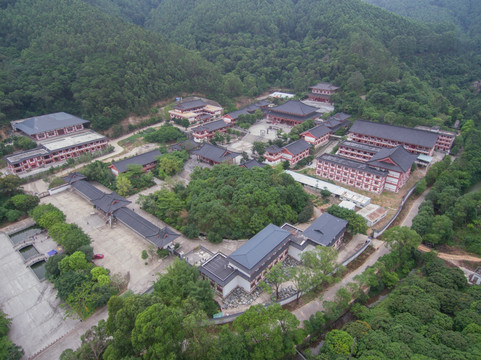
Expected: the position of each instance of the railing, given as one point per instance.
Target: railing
(35, 259)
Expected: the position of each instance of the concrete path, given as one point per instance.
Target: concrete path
(304, 312)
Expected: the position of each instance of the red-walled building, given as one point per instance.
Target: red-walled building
(351, 172)
(50, 126)
(322, 92)
(147, 160)
(195, 110)
(207, 131)
(383, 135)
(292, 113)
(445, 138)
(56, 150)
(294, 152)
(317, 136)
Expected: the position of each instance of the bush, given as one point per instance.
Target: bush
(13, 215)
(163, 253)
(214, 237)
(144, 255)
(56, 181)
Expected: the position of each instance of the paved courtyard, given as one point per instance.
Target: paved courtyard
(121, 246)
(37, 318)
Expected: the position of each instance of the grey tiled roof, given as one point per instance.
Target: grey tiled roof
(217, 269)
(249, 109)
(352, 164)
(297, 147)
(142, 159)
(88, 190)
(273, 149)
(143, 227)
(360, 146)
(211, 126)
(252, 163)
(293, 117)
(395, 133)
(319, 131)
(259, 247)
(215, 153)
(108, 203)
(187, 105)
(39, 124)
(325, 229)
(295, 107)
(73, 177)
(400, 156)
(324, 86)
(340, 116)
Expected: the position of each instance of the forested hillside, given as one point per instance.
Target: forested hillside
(59, 55)
(466, 14)
(83, 57)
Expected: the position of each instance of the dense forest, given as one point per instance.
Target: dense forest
(103, 59)
(465, 14)
(68, 56)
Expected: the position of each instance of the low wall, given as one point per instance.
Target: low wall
(58, 189)
(377, 233)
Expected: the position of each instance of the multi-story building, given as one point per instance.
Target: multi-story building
(337, 121)
(317, 136)
(55, 150)
(248, 265)
(195, 110)
(351, 172)
(294, 152)
(322, 92)
(354, 163)
(383, 135)
(292, 113)
(208, 130)
(50, 126)
(445, 138)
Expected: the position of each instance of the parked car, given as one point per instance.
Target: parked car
(98, 256)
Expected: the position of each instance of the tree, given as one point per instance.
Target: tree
(322, 263)
(275, 277)
(181, 282)
(9, 184)
(269, 333)
(338, 342)
(169, 164)
(301, 279)
(259, 147)
(402, 239)
(356, 223)
(23, 202)
(123, 185)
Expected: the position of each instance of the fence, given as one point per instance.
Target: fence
(377, 233)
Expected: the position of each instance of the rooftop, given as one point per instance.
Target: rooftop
(325, 229)
(252, 163)
(73, 177)
(108, 203)
(295, 107)
(360, 146)
(39, 124)
(259, 246)
(20, 156)
(318, 131)
(87, 189)
(352, 164)
(324, 86)
(273, 149)
(297, 147)
(218, 269)
(157, 236)
(188, 105)
(396, 133)
(215, 153)
(211, 126)
(142, 159)
(402, 159)
(68, 141)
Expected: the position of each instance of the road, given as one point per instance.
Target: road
(305, 311)
(451, 257)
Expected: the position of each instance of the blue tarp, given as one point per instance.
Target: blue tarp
(52, 252)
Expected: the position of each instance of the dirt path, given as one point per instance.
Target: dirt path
(450, 257)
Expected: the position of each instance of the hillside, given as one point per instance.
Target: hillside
(58, 55)
(92, 58)
(465, 14)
